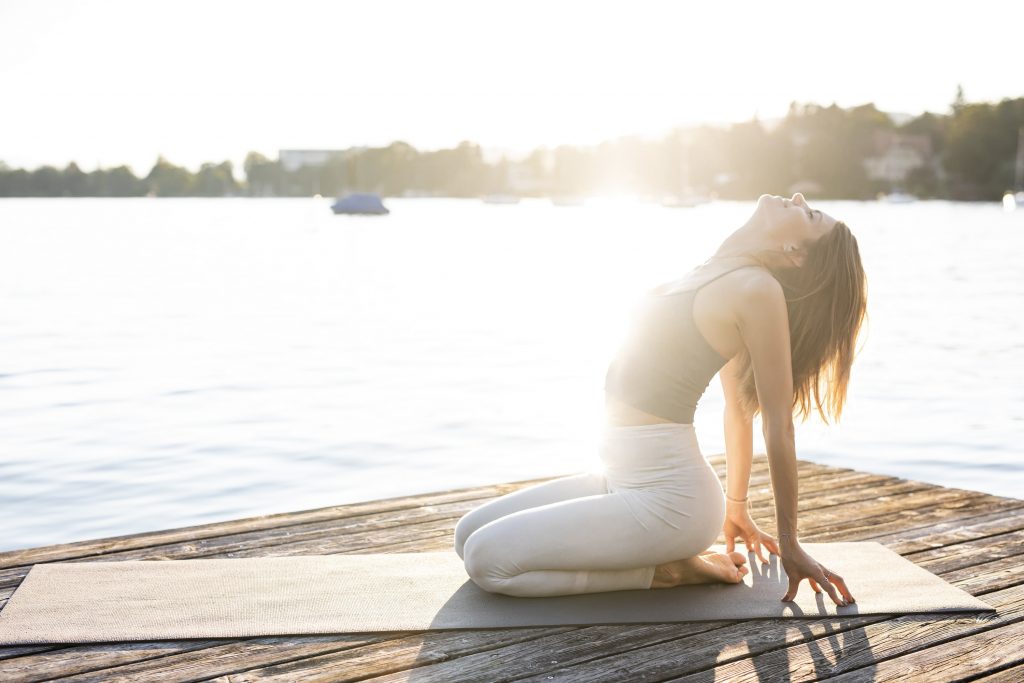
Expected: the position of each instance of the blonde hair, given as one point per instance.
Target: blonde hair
(826, 299)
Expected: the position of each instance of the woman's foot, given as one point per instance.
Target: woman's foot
(708, 567)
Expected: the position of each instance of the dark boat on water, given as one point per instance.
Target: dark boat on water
(360, 203)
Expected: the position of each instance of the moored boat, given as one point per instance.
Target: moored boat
(361, 203)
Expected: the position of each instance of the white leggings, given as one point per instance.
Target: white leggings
(656, 500)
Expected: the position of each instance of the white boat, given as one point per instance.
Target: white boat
(1014, 199)
(501, 199)
(567, 200)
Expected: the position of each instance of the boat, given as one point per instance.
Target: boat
(501, 199)
(567, 200)
(1015, 198)
(360, 203)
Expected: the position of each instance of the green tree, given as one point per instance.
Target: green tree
(167, 180)
(215, 180)
(980, 145)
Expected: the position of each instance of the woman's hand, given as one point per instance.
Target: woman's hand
(739, 523)
(799, 565)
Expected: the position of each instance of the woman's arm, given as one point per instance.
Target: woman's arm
(739, 434)
(739, 453)
(763, 322)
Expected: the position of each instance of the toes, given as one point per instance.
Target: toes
(737, 557)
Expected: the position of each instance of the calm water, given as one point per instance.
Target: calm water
(173, 362)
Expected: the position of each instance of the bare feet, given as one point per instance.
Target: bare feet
(707, 567)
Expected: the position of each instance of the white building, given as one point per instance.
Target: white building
(896, 154)
(294, 159)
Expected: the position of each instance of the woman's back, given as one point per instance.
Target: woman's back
(678, 343)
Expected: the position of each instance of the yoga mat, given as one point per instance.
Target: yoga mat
(83, 602)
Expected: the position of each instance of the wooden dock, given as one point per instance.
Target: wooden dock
(973, 540)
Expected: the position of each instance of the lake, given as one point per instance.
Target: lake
(171, 362)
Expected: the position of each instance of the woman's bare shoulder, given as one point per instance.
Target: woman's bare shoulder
(757, 293)
(757, 278)
(745, 291)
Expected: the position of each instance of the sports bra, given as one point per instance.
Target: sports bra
(665, 364)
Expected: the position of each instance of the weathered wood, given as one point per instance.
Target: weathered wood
(600, 659)
(21, 650)
(1014, 674)
(863, 647)
(285, 527)
(26, 556)
(1007, 515)
(882, 528)
(962, 657)
(973, 540)
(342, 534)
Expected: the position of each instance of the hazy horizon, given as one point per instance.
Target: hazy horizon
(111, 83)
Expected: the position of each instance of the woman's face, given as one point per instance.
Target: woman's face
(792, 219)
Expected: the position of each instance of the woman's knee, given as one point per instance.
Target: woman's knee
(482, 558)
(488, 560)
(464, 528)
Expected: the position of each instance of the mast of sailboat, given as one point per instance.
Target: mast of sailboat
(1018, 175)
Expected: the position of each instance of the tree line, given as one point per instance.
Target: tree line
(971, 152)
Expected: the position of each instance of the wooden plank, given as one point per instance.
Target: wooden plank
(970, 553)
(1014, 674)
(957, 660)
(474, 663)
(760, 491)
(182, 660)
(883, 528)
(990, 575)
(316, 653)
(69, 660)
(11, 651)
(64, 551)
(1007, 515)
(369, 540)
(916, 509)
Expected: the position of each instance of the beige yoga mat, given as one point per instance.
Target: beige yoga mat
(82, 602)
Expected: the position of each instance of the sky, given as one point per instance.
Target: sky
(106, 83)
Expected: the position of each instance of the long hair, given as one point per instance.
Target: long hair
(826, 299)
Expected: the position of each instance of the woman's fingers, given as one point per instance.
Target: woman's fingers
(770, 543)
(814, 585)
(831, 589)
(794, 584)
(838, 580)
(757, 550)
(730, 544)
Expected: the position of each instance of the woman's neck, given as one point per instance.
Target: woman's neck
(745, 244)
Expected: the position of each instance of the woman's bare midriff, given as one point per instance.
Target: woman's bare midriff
(619, 414)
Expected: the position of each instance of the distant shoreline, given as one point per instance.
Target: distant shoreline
(975, 153)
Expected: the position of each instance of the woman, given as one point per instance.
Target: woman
(776, 312)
